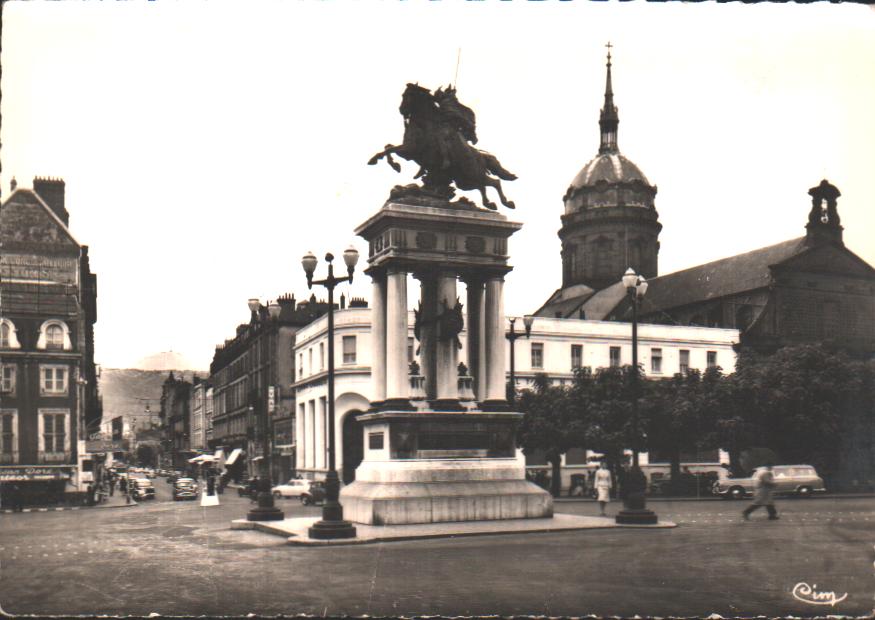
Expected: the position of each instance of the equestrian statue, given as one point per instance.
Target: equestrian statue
(439, 134)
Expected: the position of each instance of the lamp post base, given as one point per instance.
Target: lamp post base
(636, 517)
(331, 530)
(635, 511)
(332, 524)
(266, 511)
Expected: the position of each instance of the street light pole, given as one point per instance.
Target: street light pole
(332, 525)
(635, 510)
(266, 510)
(512, 337)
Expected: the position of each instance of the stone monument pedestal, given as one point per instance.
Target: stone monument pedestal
(432, 467)
(440, 446)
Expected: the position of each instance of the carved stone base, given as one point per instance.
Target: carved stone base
(443, 491)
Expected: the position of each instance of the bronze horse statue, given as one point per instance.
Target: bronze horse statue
(438, 135)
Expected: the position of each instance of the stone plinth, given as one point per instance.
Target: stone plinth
(434, 467)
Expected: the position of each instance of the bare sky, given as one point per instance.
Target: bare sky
(207, 146)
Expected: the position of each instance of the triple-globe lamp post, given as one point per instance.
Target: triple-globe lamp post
(332, 525)
(635, 510)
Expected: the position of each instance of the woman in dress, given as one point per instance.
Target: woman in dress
(603, 486)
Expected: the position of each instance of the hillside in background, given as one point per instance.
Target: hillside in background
(166, 361)
(126, 392)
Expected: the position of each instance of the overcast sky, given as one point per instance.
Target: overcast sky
(207, 146)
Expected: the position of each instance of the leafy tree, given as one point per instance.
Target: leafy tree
(808, 404)
(546, 424)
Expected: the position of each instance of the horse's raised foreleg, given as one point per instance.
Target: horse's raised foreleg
(387, 153)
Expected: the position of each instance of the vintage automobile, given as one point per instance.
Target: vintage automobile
(799, 480)
(293, 488)
(314, 495)
(184, 488)
(142, 488)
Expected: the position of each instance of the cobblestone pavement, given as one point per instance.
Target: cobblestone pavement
(179, 558)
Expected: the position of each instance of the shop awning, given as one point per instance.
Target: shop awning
(219, 455)
(235, 454)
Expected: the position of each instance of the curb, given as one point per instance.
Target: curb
(720, 499)
(7, 511)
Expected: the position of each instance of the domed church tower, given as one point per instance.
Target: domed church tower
(610, 222)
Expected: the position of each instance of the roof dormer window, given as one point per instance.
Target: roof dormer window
(8, 337)
(55, 336)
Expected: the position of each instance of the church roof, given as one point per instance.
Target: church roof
(727, 276)
(608, 167)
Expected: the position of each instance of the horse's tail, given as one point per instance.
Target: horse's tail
(495, 167)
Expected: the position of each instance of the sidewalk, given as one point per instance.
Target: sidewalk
(295, 529)
(115, 501)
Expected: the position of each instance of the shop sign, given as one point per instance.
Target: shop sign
(287, 450)
(22, 474)
(103, 445)
(271, 399)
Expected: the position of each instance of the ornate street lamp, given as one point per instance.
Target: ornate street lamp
(512, 336)
(266, 510)
(332, 524)
(635, 510)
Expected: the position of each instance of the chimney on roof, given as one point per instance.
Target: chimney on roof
(52, 192)
(13, 184)
(358, 302)
(342, 301)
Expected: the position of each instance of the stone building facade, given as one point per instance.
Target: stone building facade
(176, 422)
(251, 377)
(556, 347)
(48, 307)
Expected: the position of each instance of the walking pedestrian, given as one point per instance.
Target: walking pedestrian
(111, 483)
(603, 485)
(764, 494)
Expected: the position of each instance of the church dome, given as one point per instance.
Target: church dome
(610, 168)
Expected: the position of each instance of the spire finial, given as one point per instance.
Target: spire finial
(609, 120)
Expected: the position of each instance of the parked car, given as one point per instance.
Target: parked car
(314, 495)
(142, 489)
(293, 488)
(800, 480)
(184, 488)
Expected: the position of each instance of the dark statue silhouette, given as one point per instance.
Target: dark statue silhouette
(438, 135)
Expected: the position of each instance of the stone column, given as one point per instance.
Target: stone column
(300, 434)
(378, 337)
(495, 343)
(476, 341)
(320, 441)
(428, 333)
(397, 386)
(447, 351)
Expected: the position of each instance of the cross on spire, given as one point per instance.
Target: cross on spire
(608, 119)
